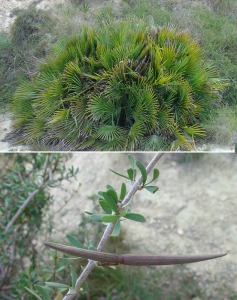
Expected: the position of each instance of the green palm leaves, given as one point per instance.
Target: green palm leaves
(118, 88)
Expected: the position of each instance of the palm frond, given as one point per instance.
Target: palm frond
(119, 87)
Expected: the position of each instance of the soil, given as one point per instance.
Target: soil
(5, 128)
(194, 212)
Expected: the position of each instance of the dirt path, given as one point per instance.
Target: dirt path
(194, 211)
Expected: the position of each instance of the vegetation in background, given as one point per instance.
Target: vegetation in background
(24, 183)
(28, 41)
(222, 125)
(8, 77)
(123, 87)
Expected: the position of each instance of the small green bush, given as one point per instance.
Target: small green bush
(28, 41)
(8, 78)
(222, 126)
(125, 86)
(23, 221)
(30, 29)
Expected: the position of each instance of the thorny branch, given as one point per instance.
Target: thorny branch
(109, 229)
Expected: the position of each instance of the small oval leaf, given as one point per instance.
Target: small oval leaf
(131, 160)
(156, 174)
(142, 170)
(131, 174)
(119, 174)
(110, 218)
(97, 217)
(109, 198)
(105, 206)
(135, 217)
(117, 229)
(152, 189)
(74, 241)
(57, 284)
(73, 275)
(123, 191)
(113, 194)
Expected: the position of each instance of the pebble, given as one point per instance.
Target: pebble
(180, 231)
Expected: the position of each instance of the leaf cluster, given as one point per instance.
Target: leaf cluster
(124, 86)
(114, 205)
(115, 211)
(21, 175)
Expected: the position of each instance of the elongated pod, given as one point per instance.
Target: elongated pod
(89, 254)
(130, 259)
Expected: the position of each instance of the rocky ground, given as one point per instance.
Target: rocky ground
(194, 211)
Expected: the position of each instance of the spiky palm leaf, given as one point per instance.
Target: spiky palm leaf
(118, 87)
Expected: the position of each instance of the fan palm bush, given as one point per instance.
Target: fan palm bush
(124, 86)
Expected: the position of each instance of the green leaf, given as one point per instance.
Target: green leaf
(155, 175)
(152, 189)
(123, 191)
(111, 200)
(142, 170)
(101, 195)
(131, 160)
(110, 218)
(59, 296)
(42, 291)
(113, 194)
(117, 229)
(73, 275)
(131, 174)
(123, 212)
(135, 217)
(97, 217)
(74, 241)
(33, 293)
(57, 285)
(109, 187)
(119, 174)
(105, 206)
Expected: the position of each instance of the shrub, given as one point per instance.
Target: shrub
(222, 126)
(29, 40)
(29, 30)
(7, 75)
(26, 182)
(125, 86)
